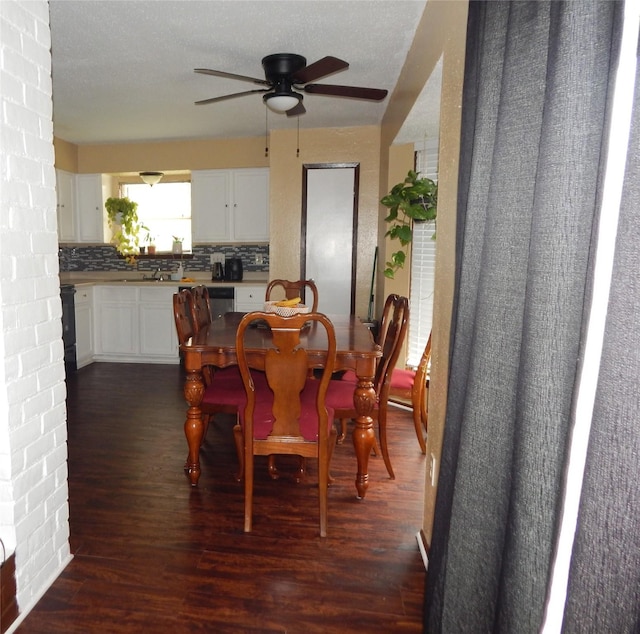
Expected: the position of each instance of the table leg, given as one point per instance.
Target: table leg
(193, 426)
(364, 399)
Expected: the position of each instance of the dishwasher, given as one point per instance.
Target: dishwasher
(221, 299)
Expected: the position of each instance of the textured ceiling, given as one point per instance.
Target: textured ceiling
(123, 70)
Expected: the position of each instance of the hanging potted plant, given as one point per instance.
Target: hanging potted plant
(413, 200)
(123, 220)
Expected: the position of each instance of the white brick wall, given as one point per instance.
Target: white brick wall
(34, 513)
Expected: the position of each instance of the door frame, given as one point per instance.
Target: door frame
(354, 227)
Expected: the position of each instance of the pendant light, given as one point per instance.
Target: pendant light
(151, 178)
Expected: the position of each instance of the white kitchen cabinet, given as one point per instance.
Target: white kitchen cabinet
(117, 322)
(250, 298)
(210, 217)
(158, 336)
(84, 325)
(89, 208)
(135, 324)
(250, 210)
(230, 205)
(65, 193)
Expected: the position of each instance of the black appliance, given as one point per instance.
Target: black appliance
(233, 269)
(67, 292)
(217, 274)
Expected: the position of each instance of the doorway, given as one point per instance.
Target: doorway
(329, 233)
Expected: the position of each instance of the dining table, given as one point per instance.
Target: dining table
(215, 344)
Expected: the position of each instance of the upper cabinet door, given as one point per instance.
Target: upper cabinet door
(250, 217)
(89, 208)
(230, 205)
(65, 206)
(210, 199)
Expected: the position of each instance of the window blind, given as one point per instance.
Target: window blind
(423, 260)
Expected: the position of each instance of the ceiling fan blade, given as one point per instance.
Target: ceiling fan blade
(323, 67)
(231, 96)
(355, 92)
(296, 110)
(221, 73)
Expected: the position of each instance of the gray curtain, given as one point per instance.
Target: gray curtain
(604, 582)
(535, 104)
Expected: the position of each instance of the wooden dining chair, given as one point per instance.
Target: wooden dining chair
(294, 289)
(200, 308)
(340, 393)
(182, 315)
(224, 389)
(387, 314)
(288, 416)
(411, 388)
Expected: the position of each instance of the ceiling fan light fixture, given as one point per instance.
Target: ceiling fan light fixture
(281, 102)
(151, 178)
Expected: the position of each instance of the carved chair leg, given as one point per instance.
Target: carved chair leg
(301, 472)
(382, 431)
(417, 423)
(238, 437)
(272, 467)
(332, 445)
(343, 432)
(206, 419)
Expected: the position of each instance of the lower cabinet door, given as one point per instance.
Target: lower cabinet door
(84, 333)
(118, 329)
(157, 331)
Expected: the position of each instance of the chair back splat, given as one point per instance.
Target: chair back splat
(294, 289)
(287, 414)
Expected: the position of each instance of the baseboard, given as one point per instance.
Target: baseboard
(8, 599)
(423, 546)
(404, 406)
(34, 600)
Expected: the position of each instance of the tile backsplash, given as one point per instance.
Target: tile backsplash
(75, 258)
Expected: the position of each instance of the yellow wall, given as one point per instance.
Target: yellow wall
(172, 155)
(66, 155)
(337, 145)
(440, 34)
(454, 22)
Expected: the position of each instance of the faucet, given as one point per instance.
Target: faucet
(157, 275)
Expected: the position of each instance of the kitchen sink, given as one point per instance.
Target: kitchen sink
(147, 280)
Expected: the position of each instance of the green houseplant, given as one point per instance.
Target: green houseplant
(177, 245)
(122, 214)
(413, 200)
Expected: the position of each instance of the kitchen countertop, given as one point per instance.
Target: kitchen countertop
(136, 279)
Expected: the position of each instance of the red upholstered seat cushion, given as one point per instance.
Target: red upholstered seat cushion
(263, 415)
(227, 387)
(349, 376)
(402, 379)
(340, 393)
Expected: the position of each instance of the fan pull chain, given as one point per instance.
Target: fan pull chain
(266, 131)
(298, 143)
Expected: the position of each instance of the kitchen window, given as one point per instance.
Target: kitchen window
(165, 209)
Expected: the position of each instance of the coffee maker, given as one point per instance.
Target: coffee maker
(233, 269)
(217, 272)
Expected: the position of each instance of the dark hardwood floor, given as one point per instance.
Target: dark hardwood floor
(151, 554)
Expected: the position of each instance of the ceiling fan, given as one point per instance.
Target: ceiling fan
(285, 72)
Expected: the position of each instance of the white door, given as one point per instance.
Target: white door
(331, 205)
